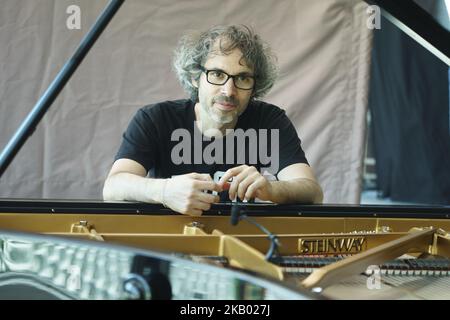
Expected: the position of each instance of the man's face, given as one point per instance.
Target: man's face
(222, 104)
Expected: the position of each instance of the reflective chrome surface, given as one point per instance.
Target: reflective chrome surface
(46, 267)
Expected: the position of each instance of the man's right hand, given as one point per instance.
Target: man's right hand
(185, 193)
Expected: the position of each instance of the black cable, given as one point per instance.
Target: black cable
(237, 215)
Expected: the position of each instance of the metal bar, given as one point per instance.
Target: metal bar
(419, 241)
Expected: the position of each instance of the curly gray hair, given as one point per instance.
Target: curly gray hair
(193, 50)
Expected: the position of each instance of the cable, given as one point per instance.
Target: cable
(237, 215)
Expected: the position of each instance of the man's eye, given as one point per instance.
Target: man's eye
(244, 79)
(217, 74)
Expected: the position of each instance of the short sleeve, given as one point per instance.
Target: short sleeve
(139, 142)
(290, 150)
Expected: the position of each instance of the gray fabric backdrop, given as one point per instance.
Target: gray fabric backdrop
(323, 48)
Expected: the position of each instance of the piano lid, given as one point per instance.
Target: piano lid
(416, 19)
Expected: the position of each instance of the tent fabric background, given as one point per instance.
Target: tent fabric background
(409, 104)
(323, 49)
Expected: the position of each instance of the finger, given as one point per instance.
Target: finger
(226, 177)
(208, 198)
(202, 176)
(237, 180)
(200, 205)
(234, 186)
(207, 185)
(244, 185)
(231, 173)
(254, 187)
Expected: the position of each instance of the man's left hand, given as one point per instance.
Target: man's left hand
(247, 183)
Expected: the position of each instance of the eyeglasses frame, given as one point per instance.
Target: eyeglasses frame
(207, 71)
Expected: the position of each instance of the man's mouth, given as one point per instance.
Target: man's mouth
(225, 106)
(225, 103)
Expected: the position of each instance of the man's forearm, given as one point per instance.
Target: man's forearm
(296, 191)
(127, 186)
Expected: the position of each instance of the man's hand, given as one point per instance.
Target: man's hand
(185, 195)
(247, 183)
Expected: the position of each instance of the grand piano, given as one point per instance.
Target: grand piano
(99, 250)
(61, 249)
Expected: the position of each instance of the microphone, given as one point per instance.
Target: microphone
(235, 213)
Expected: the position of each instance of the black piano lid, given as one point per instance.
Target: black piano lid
(223, 209)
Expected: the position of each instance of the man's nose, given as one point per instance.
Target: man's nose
(228, 88)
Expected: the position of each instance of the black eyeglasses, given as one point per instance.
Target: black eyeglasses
(218, 77)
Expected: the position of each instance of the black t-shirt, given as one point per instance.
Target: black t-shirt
(165, 140)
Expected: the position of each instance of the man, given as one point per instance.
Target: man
(171, 150)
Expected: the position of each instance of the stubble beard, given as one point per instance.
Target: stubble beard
(213, 117)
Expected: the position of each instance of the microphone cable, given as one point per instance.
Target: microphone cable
(237, 214)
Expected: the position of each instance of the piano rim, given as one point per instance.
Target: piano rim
(57, 206)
